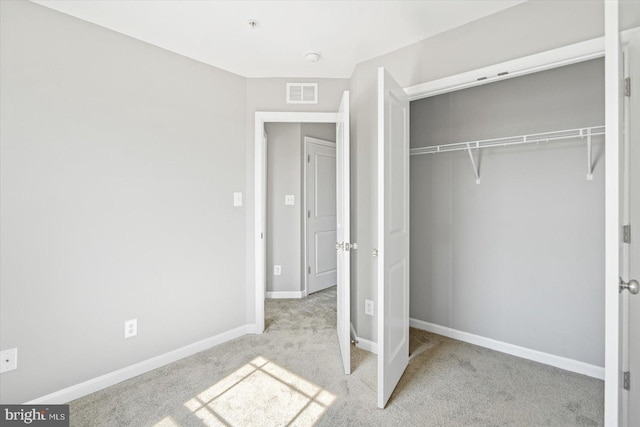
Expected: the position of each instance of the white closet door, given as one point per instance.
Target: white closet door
(343, 233)
(615, 407)
(393, 234)
(631, 253)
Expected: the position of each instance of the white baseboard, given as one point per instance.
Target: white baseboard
(107, 380)
(370, 346)
(514, 350)
(252, 328)
(362, 343)
(286, 295)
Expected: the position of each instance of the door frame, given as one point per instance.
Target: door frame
(305, 178)
(260, 208)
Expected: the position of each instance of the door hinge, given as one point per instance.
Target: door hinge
(627, 86)
(308, 214)
(309, 270)
(626, 233)
(626, 380)
(308, 158)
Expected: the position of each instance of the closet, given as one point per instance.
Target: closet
(507, 212)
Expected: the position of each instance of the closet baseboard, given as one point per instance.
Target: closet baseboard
(286, 295)
(514, 350)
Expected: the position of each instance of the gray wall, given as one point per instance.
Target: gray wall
(507, 35)
(518, 258)
(119, 161)
(284, 157)
(285, 223)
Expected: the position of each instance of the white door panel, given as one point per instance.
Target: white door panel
(614, 405)
(325, 259)
(325, 181)
(393, 235)
(321, 218)
(343, 233)
(631, 215)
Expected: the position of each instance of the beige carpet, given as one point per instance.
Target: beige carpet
(292, 375)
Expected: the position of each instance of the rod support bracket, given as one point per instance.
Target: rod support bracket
(589, 155)
(476, 169)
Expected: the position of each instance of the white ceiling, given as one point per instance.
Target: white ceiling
(217, 32)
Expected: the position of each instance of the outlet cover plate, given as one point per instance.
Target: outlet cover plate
(8, 360)
(290, 199)
(277, 270)
(130, 328)
(237, 199)
(368, 307)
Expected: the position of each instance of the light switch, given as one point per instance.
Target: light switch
(237, 199)
(289, 199)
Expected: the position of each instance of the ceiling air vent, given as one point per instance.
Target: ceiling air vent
(302, 93)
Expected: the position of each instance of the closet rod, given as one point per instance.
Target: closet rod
(511, 140)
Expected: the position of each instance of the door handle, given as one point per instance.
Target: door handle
(632, 286)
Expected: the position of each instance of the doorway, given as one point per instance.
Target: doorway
(343, 244)
(292, 172)
(548, 60)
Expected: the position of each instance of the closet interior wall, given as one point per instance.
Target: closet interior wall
(518, 258)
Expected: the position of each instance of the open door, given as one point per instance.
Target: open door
(615, 405)
(343, 233)
(321, 221)
(393, 235)
(630, 249)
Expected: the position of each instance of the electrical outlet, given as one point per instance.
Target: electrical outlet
(277, 270)
(130, 328)
(289, 199)
(237, 199)
(368, 307)
(8, 360)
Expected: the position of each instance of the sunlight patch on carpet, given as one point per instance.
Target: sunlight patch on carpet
(261, 393)
(167, 422)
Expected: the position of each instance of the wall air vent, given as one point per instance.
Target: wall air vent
(302, 93)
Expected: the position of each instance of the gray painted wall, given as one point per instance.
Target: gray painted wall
(285, 223)
(507, 35)
(284, 157)
(518, 258)
(119, 162)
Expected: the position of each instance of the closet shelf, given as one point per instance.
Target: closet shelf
(534, 138)
(511, 140)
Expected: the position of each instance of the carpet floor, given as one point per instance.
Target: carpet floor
(292, 375)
